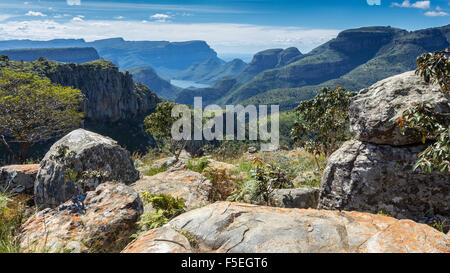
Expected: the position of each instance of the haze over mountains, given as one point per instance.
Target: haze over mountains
(355, 59)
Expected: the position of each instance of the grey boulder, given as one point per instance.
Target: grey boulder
(380, 178)
(301, 198)
(78, 163)
(375, 110)
(18, 178)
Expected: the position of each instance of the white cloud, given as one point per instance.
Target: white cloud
(73, 2)
(35, 13)
(436, 13)
(119, 17)
(4, 17)
(223, 37)
(78, 18)
(418, 4)
(160, 17)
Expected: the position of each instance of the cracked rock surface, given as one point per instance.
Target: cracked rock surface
(372, 178)
(243, 228)
(102, 222)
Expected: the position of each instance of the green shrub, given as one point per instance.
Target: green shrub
(265, 179)
(166, 208)
(198, 165)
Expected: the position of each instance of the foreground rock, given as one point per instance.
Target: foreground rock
(301, 198)
(103, 224)
(372, 178)
(18, 178)
(181, 183)
(375, 110)
(243, 228)
(79, 162)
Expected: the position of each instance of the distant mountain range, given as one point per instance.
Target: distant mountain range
(65, 55)
(166, 58)
(355, 59)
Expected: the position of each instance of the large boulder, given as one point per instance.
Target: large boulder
(182, 183)
(367, 177)
(375, 110)
(79, 162)
(18, 178)
(301, 198)
(103, 221)
(244, 228)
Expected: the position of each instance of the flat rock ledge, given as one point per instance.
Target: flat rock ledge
(243, 228)
(102, 222)
(18, 178)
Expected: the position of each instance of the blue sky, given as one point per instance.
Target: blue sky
(229, 26)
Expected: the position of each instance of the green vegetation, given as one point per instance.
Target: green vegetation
(323, 123)
(166, 208)
(159, 124)
(423, 120)
(11, 217)
(33, 110)
(266, 178)
(198, 165)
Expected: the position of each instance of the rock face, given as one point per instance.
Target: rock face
(367, 177)
(102, 222)
(18, 178)
(111, 96)
(181, 183)
(375, 172)
(301, 198)
(79, 162)
(243, 228)
(375, 110)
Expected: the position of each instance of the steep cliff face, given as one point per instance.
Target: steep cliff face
(111, 96)
(65, 55)
(269, 59)
(115, 105)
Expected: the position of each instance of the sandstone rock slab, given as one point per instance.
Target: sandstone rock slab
(182, 183)
(375, 110)
(79, 162)
(243, 228)
(102, 222)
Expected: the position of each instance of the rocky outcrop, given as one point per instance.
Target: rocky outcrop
(376, 172)
(367, 177)
(18, 178)
(79, 162)
(301, 198)
(193, 187)
(242, 228)
(110, 96)
(101, 221)
(375, 110)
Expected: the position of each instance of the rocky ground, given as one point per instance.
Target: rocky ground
(90, 196)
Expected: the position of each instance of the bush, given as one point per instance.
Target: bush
(166, 208)
(322, 123)
(223, 185)
(265, 179)
(198, 165)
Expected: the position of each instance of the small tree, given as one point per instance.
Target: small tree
(422, 120)
(322, 123)
(33, 110)
(159, 124)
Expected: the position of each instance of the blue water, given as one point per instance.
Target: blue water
(187, 84)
